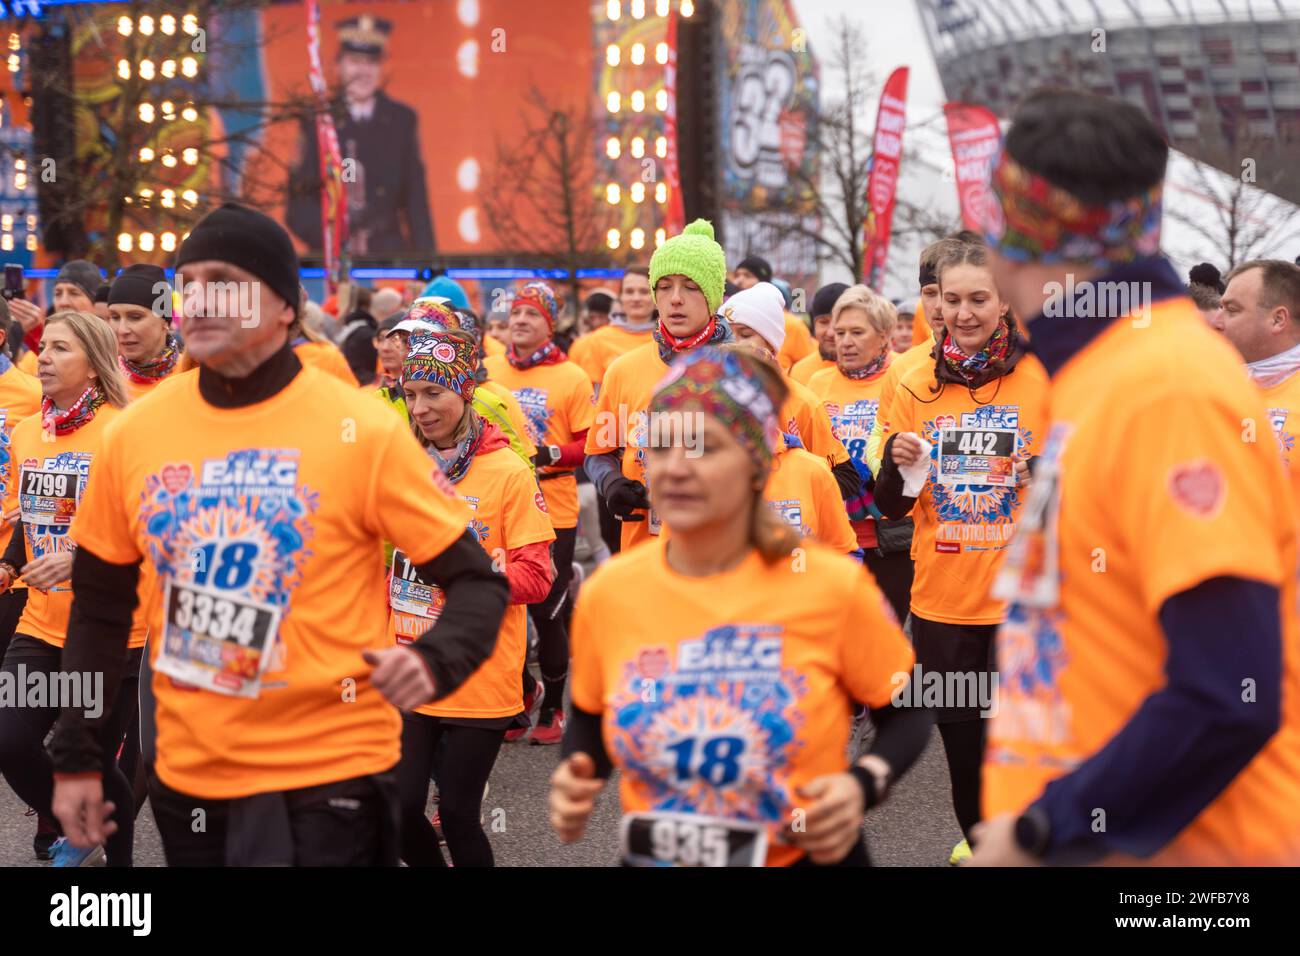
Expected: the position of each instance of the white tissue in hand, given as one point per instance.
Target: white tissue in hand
(914, 475)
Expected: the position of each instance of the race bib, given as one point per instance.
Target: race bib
(977, 456)
(47, 496)
(217, 640)
(688, 839)
(416, 605)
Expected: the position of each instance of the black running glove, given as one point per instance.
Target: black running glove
(624, 496)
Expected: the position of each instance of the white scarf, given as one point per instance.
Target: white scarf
(1275, 369)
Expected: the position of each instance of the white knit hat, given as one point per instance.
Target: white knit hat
(761, 307)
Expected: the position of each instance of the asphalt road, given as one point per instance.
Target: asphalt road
(914, 827)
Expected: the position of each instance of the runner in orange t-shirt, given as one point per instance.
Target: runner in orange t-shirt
(52, 454)
(140, 314)
(557, 400)
(687, 275)
(258, 522)
(981, 409)
(725, 705)
(457, 738)
(862, 322)
(1149, 704)
(823, 356)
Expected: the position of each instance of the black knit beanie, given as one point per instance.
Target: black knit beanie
(249, 239)
(143, 285)
(758, 266)
(824, 301)
(81, 273)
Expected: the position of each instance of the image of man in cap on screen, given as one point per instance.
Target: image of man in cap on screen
(388, 204)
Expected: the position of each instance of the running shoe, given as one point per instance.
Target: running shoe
(532, 701)
(46, 834)
(549, 729)
(63, 853)
(960, 854)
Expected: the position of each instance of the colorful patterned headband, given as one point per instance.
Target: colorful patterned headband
(714, 382)
(443, 360)
(541, 297)
(1031, 220)
(427, 309)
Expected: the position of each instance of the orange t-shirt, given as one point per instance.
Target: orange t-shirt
(622, 421)
(595, 351)
(808, 366)
(798, 343)
(505, 513)
(851, 405)
(803, 492)
(721, 695)
(50, 501)
(1145, 489)
(326, 357)
(20, 396)
(492, 346)
(1283, 401)
(802, 415)
(557, 404)
(28, 362)
(280, 505)
(514, 412)
(897, 368)
(963, 527)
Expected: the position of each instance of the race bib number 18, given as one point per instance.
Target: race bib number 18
(217, 640)
(688, 839)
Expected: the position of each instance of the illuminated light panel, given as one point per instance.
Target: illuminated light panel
(146, 154)
(167, 24)
(613, 194)
(190, 67)
(124, 242)
(614, 9)
(612, 55)
(638, 53)
(613, 149)
(613, 102)
(146, 70)
(168, 241)
(613, 239)
(146, 242)
(169, 68)
(637, 101)
(661, 100)
(146, 26)
(661, 53)
(661, 236)
(637, 239)
(638, 147)
(661, 147)
(661, 193)
(124, 69)
(638, 9)
(638, 192)
(687, 8)
(125, 26)
(146, 113)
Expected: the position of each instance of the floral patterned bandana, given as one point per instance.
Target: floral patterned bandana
(970, 368)
(438, 358)
(871, 369)
(714, 382)
(548, 354)
(154, 370)
(79, 413)
(1032, 220)
(455, 467)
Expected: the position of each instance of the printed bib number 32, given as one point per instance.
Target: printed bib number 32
(687, 839)
(215, 639)
(977, 456)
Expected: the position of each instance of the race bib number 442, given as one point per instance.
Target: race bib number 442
(977, 456)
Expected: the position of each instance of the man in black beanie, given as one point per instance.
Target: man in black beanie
(752, 270)
(75, 286)
(822, 304)
(258, 493)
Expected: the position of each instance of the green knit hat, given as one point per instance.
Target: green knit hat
(695, 255)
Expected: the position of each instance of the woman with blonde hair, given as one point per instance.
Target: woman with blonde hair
(715, 669)
(850, 391)
(83, 391)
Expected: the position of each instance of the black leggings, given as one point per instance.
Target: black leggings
(893, 574)
(552, 633)
(12, 603)
(959, 649)
(460, 758)
(26, 765)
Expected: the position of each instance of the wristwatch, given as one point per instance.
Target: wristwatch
(1034, 831)
(876, 768)
(554, 452)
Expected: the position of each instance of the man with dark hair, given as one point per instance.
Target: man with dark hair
(824, 357)
(751, 271)
(1151, 640)
(388, 203)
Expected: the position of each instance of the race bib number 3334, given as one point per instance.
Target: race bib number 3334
(218, 640)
